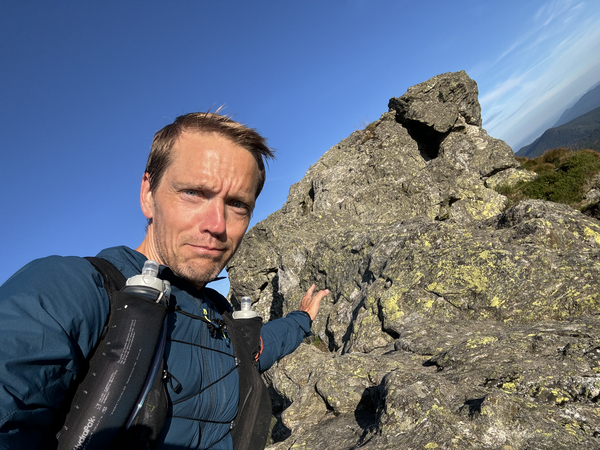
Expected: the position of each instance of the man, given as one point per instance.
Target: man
(198, 192)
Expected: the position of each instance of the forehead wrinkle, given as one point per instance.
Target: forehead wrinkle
(184, 179)
(216, 167)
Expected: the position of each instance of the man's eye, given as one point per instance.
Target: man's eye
(240, 205)
(190, 192)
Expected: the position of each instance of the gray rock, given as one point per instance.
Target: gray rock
(441, 103)
(592, 190)
(451, 322)
(510, 177)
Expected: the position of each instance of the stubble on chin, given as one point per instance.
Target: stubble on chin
(199, 271)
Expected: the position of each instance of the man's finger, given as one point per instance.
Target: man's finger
(309, 293)
(311, 304)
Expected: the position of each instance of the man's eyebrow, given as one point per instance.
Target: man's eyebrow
(178, 185)
(199, 186)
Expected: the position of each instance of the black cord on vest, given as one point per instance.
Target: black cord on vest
(214, 326)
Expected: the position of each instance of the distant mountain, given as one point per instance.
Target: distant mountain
(582, 132)
(589, 101)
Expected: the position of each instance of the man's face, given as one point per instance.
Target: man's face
(202, 206)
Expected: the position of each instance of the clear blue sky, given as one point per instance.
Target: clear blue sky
(84, 86)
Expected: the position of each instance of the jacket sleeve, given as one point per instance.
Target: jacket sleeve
(53, 311)
(280, 337)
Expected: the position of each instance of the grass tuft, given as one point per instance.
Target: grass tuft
(563, 173)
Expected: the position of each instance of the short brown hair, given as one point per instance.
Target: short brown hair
(205, 122)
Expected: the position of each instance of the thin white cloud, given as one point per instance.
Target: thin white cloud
(542, 70)
(540, 30)
(548, 11)
(501, 90)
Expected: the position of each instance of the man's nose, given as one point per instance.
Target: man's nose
(214, 220)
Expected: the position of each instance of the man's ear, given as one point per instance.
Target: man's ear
(146, 199)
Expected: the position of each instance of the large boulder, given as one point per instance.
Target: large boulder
(452, 322)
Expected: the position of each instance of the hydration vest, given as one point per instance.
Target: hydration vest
(84, 423)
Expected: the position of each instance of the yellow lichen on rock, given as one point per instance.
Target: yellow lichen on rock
(474, 343)
(588, 232)
(496, 302)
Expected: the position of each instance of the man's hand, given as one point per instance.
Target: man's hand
(311, 304)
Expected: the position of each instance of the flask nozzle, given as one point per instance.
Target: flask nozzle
(246, 303)
(150, 268)
(245, 311)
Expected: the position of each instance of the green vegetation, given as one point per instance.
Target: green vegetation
(563, 173)
(317, 342)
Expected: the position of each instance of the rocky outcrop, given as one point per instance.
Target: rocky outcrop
(451, 323)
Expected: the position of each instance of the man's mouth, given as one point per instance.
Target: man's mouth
(208, 250)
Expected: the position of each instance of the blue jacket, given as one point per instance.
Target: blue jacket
(52, 313)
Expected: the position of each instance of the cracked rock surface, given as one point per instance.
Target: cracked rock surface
(451, 323)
